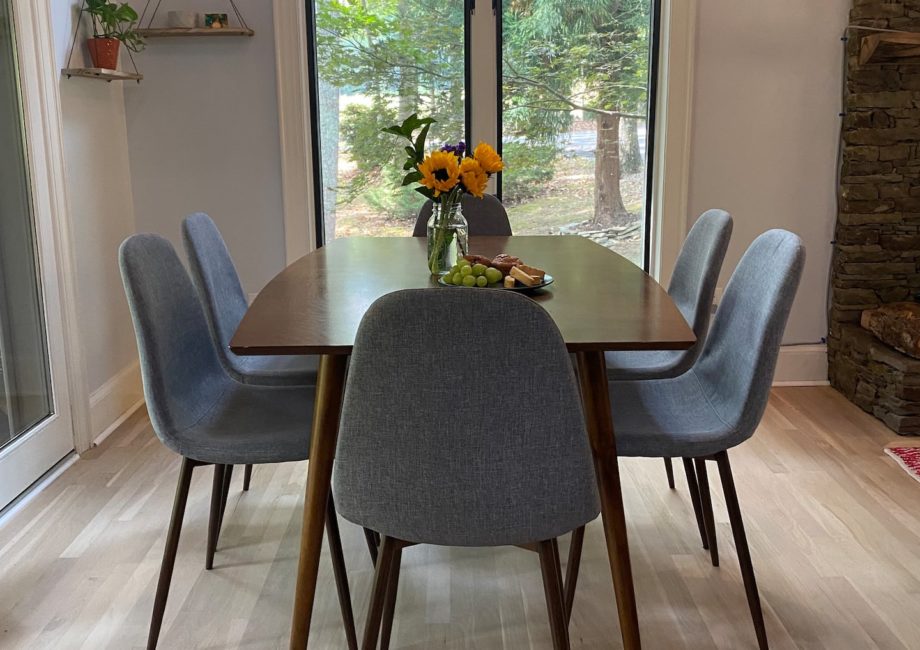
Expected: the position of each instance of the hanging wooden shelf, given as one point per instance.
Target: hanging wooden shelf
(171, 32)
(888, 46)
(103, 74)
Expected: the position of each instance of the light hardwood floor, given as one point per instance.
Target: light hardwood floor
(834, 528)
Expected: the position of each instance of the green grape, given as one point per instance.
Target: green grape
(454, 269)
(493, 275)
(469, 281)
(466, 270)
(479, 269)
(482, 281)
(449, 278)
(458, 278)
(463, 262)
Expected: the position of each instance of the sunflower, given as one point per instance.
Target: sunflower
(473, 176)
(487, 158)
(440, 172)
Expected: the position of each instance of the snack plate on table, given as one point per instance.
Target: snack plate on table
(502, 272)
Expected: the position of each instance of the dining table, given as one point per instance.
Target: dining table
(599, 300)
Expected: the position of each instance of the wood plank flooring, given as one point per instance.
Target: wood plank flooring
(833, 524)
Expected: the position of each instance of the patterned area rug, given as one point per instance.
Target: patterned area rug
(907, 457)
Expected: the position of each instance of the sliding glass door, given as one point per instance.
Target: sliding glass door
(569, 100)
(34, 434)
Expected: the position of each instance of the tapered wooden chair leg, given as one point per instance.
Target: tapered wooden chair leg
(741, 546)
(371, 538)
(571, 570)
(247, 477)
(389, 606)
(706, 501)
(228, 475)
(169, 554)
(217, 492)
(669, 470)
(341, 575)
(552, 587)
(694, 490)
(388, 550)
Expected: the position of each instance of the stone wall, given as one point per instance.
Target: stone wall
(877, 247)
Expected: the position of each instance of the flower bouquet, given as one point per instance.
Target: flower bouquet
(444, 176)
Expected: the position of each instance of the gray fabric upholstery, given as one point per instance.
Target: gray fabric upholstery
(196, 408)
(692, 287)
(485, 216)
(719, 402)
(462, 423)
(225, 305)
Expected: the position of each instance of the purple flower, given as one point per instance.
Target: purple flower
(457, 149)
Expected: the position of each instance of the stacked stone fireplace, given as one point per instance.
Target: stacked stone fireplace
(877, 245)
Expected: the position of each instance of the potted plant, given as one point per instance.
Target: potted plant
(113, 24)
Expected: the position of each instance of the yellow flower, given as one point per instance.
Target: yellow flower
(474, 177)
(488, 159)
(440, 171)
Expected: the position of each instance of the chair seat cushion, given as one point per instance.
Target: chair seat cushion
(667, 418)
(653, 364)
(275, 370)
(250, 425)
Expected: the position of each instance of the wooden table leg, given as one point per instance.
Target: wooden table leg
(330, 385)
(592, 375)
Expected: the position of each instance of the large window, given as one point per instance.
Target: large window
(571, 107)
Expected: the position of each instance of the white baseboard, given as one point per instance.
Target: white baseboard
(115, 401)
(801, 365)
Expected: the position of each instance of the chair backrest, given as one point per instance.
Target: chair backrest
(736, 366)
(696, 273)
(218, 283)
(462, 423)
(485, 216)
(182, 375)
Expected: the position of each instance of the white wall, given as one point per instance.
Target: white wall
(203, 136)
(765, 130)
(102, 213)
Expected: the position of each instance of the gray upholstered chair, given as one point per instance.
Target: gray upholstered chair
(719, 402)
(485, 216)
(199, 411)
(692, 287)
(225, 305)
(454, 433)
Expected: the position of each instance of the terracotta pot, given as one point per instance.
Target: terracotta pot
(104, 52)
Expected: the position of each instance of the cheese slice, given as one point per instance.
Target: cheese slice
(509, 282)
(522, 277)
(533, 272)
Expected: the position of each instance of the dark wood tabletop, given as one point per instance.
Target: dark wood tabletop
(599, 300)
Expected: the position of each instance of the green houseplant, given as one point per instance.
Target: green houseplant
(113, 24)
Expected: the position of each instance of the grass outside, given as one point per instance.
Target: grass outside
(565, 205)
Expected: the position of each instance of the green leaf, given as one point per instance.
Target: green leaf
(409, 164)
(424, 191)
(395, 130)
(413, 177)
(411, 152)
(420, 143)
(410, 124)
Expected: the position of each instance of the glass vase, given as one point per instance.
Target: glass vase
(448, 235)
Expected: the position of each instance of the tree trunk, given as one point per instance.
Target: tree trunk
(329, 153)
(608, 201)
(632, 155)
